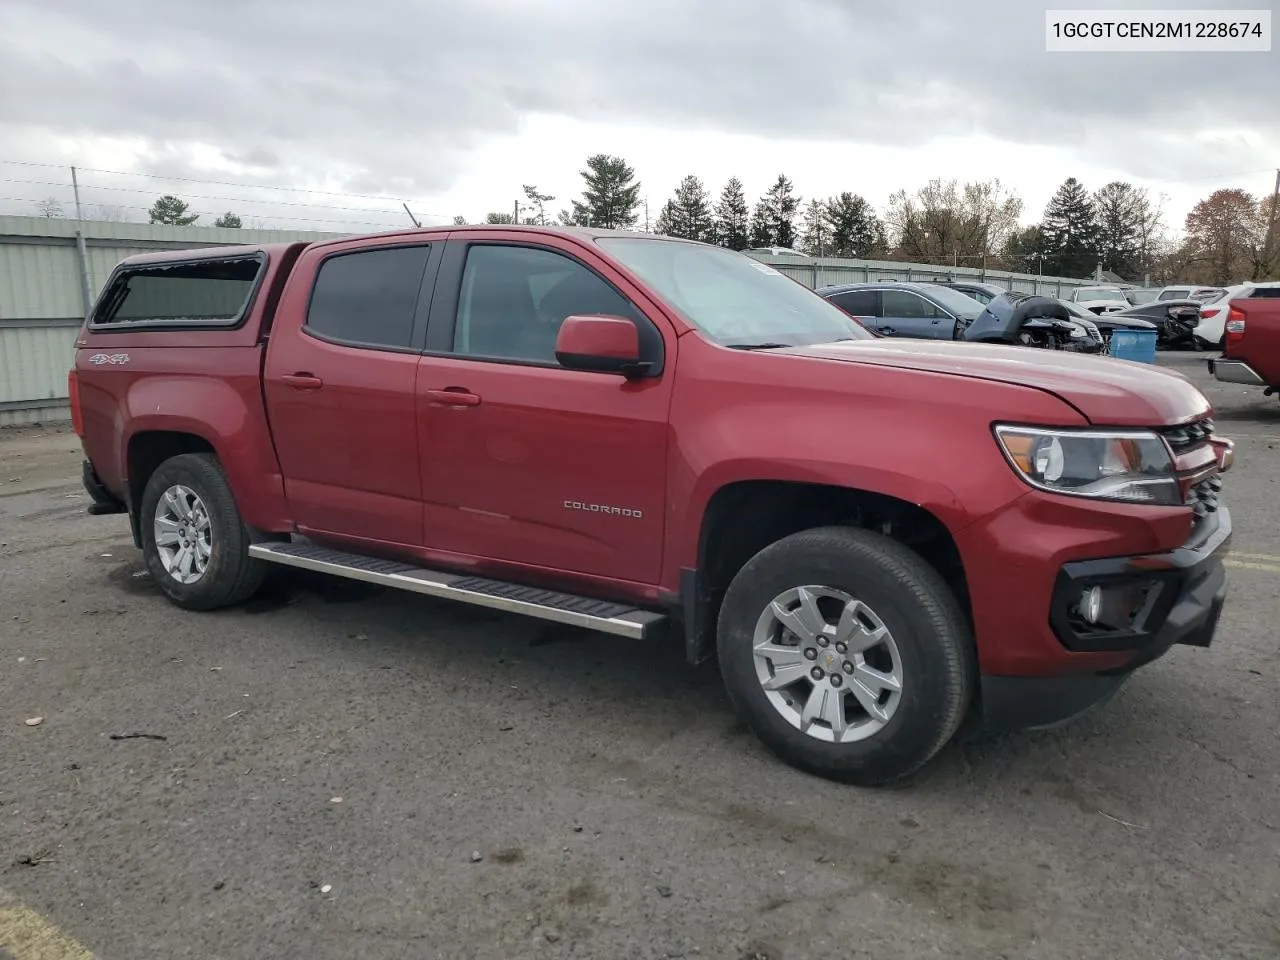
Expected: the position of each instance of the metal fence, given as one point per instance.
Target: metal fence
(817, 272)
(50, 269)
(47, 268)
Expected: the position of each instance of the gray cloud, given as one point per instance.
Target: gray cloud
(402, 89)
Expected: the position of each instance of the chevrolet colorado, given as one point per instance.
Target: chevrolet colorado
(876, 538)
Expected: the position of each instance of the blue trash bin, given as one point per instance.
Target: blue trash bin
(1136, 345)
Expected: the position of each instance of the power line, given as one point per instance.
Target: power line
(214, 213)
(216, 183)
(199, 196)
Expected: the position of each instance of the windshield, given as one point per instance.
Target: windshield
(1099, 293)
(1139, 297)
(1078, 310)
(734, 300)
(961, 304)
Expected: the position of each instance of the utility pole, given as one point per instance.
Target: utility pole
(515, 212)
(646, 214)
(86, 296)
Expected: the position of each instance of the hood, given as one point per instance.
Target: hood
(1104, 390)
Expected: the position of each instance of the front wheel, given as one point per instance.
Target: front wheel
(194, 542)
(847, 654)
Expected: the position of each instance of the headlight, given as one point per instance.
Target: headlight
(1128, 465)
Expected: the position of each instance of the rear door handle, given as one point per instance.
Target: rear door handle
(302, 381)
(454, 397)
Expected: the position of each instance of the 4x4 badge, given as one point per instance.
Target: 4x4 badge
(101, 358)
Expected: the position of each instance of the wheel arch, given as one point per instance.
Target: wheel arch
(743, 517)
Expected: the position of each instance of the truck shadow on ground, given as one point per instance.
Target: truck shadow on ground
(355, 626)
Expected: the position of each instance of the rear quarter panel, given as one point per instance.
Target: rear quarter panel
(1260, 345)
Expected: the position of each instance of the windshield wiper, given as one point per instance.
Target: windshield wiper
(757, 346)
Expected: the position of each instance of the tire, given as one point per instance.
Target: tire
(229, 576)
(935, 655)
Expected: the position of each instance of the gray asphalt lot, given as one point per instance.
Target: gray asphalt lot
(334, 759)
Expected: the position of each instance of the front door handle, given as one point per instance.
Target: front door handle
(454, 397)
(302, 381)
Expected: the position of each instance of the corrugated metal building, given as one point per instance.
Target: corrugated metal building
(41, 303)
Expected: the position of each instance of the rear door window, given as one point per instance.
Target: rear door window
(367, 298)
(196, 293)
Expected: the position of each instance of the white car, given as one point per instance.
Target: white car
(1100, 299)
(1211, 330)
(1202, 293)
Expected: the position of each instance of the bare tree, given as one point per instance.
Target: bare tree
(50, 208)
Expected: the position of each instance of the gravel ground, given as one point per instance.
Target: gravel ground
(334, 772)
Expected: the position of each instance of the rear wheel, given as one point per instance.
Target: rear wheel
(847, 654)
(194, 542)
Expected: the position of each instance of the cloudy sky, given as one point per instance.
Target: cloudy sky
(453, 105)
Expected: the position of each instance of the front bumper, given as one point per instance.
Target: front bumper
(1235, 371)
(1184, 609)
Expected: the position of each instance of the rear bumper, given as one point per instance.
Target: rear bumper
(1191, 589)
(1235, 371)
(104, 501)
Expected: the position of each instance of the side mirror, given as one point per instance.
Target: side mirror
(600, 344)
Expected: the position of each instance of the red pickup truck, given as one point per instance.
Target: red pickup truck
(876, 538)
(1251, 343)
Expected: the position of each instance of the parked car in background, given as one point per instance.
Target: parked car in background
(1137, 296)
(1201, 294)
(1099, 299)
(1211, 331)
(934, 311)
(776, 252)
(982, 292)
(1251, 351)
(895, 308)
(1176, 321)
(1107, 323)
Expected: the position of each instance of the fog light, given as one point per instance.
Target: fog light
(1091, 604)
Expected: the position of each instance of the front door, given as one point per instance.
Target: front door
(340, 379)
(904, 313)
(524, 461)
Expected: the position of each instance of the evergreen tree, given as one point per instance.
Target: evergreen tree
(774, 221)
(499, 218)
(610, 197)
(229, 219)
(1121, 210)
(1025, 250)
(856, 231)
(816, 241)
(1070, 231)
(170, 210)
(537, 202)
(687, 213)
(731, 217)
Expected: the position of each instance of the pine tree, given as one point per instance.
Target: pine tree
(773, 223)
(731, 217)
(1121, 210)
(1071, 231)
(538, 202)
(687, 214)
(816, 241)
(610, 197)
(856, 231)
(229, 219)
(170, 210)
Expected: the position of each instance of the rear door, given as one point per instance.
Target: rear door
(904, 313)
(524, 461)
(340, 377)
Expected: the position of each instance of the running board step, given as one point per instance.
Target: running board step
(615, 618)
